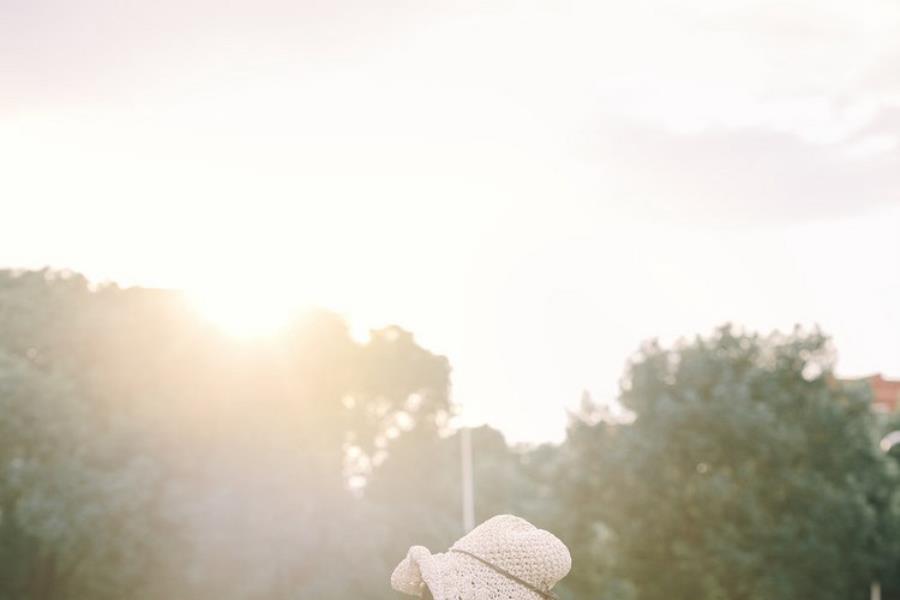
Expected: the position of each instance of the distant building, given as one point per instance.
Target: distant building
(885, 392)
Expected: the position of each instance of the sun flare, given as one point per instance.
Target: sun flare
(246, 312)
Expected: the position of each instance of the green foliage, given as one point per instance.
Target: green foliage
(747, 473)
(419, 490)
(146, 455)
(63, 484)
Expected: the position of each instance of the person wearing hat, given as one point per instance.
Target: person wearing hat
(504, 558)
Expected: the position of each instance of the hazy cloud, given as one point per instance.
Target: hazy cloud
(443, 156)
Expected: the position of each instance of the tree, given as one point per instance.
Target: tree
(77, 507)
(582, 474)
(889, 574)
(143, 453)
(748, 473)
(419, 485)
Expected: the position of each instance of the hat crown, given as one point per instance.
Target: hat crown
(518, 547)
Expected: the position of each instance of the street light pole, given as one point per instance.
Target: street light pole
(468, 491)
(887, 442)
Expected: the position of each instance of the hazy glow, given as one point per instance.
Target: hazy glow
(244, 311)
(532, 188)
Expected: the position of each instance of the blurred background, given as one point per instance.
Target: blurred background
(287, 287)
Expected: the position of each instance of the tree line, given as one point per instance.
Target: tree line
(145, 454)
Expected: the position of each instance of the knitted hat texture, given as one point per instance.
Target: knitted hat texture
(511, 544)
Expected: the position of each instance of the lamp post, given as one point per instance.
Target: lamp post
(887, 442)
(468, 486)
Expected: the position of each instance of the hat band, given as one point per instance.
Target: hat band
(544, 594)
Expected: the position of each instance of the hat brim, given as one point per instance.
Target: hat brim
(455, 576)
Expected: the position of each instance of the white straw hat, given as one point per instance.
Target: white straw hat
(504, 558)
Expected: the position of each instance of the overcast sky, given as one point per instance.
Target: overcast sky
(532, 187)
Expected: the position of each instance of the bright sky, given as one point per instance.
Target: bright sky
(532, 187)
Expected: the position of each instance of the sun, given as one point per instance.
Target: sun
(247, 311)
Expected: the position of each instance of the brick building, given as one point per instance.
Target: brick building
(885, 392)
